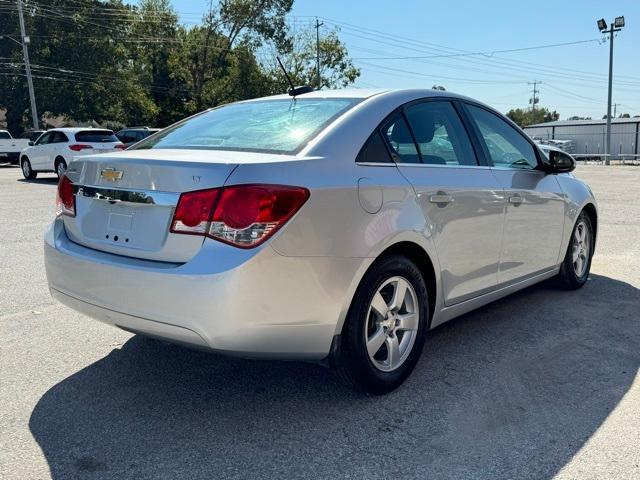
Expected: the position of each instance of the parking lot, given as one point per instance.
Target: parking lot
(542, 384)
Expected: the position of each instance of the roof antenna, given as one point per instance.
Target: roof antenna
(293, 91)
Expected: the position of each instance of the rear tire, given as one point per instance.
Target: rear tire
(27, 171)
(576, 265)
(60, 166)
(386, 327)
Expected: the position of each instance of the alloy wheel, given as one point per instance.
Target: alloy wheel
(581, 248)
(392, 324)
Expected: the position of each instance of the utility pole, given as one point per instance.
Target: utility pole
(616, 26)
(533, 101)
(317, 27)
(615, 109)
(27, 67)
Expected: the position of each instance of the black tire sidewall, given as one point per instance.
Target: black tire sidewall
(353, 345)
(567, 272)
(32, 174)
(57, 163)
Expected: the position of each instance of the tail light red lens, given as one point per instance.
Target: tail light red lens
(121, 146)
(242, 215)
(65, 200)
(76, 147)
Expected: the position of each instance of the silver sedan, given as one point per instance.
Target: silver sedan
(335, 226)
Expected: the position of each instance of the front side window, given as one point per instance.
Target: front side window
(276, 126)
(506, 146)
(400, 140)
(5, 136)
(441, 136)
(44, 138)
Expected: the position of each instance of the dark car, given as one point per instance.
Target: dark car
(132, 135)
(32, 135)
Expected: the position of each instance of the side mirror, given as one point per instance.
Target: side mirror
(560, 162)
(31, 143)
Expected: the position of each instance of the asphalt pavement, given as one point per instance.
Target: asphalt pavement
(542, 384)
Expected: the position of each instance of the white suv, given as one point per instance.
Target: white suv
(55, 149)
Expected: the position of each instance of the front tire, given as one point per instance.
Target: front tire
(576, 265)
(386, 326)
(27, 172)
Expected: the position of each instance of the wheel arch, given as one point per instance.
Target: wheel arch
(417, 254)
(590, 210)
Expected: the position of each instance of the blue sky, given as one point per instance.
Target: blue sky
(574, 77)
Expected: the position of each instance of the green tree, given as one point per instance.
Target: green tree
(336, 67)
(525, 117)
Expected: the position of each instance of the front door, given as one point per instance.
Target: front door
(39, 154)
(462, 201)
(534, 216)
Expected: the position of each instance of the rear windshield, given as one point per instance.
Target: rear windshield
(5, 136)
(96, 136)
(277, 126)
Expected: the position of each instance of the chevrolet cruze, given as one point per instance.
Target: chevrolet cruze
(336, 226)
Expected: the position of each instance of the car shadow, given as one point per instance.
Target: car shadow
(511, 390)
(52, 180)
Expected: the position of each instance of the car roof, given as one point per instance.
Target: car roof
(78, 129)
(364, 93)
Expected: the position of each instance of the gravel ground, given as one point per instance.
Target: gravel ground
(542, 384)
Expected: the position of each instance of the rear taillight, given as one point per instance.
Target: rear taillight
(241, 215)
(121, 146)
(65, 200)
(76, 147)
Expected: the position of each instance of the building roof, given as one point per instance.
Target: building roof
(571, 123)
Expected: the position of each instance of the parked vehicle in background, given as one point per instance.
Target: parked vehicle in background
(10, 147)
(32, 135)
(132, 135)
(337, 225)
(54, 149)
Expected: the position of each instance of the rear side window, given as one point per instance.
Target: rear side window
(400, 140)
(441, 136)
(59, 137)
(96, 136)
(507, 147)
(5, 136)
(278, 126)
(374, 150)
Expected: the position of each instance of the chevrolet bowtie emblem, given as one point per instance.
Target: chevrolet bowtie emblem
(111, 174)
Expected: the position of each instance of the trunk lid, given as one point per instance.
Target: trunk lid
(125, 201)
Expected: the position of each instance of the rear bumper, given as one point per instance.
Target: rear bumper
(9, 157)
(245, 302)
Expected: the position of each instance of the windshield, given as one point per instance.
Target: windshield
(278, 126)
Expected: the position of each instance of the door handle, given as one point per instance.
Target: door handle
(441, 198)
(515, 200)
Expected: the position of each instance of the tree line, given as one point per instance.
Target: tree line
(119, 64)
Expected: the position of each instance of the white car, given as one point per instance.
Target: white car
(10, 147)
(55, 149)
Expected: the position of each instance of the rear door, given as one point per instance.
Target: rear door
(59, 148)
(461, 200)
(534, 216)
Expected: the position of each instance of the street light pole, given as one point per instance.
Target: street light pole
(609, 95)
(616, 26)
(27, 67)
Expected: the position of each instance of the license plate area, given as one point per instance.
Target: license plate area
(138, 226)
